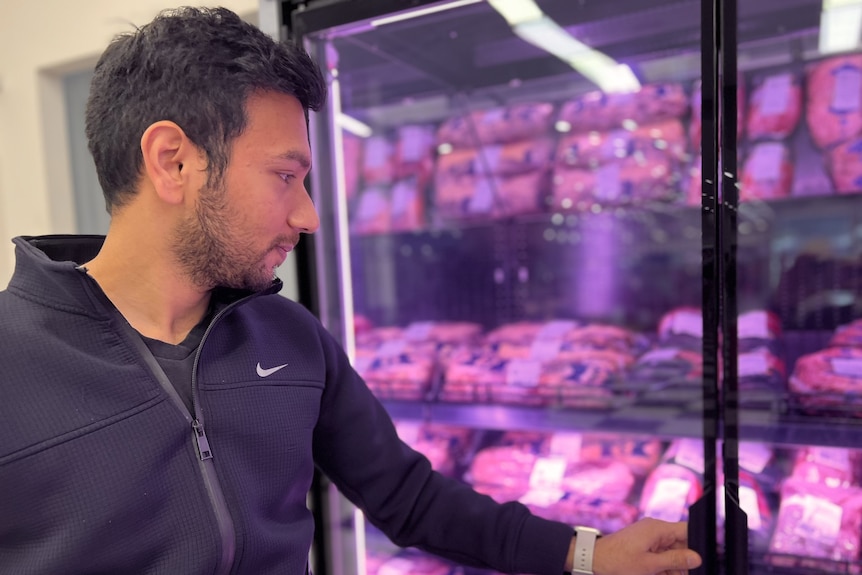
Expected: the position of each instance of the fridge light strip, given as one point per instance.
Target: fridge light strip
(422, 12)
(342, 227)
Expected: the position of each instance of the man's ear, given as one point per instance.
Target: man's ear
(170, 160)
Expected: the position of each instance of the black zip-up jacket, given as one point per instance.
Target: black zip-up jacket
(103, 470)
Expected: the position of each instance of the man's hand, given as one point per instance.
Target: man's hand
(649, 547)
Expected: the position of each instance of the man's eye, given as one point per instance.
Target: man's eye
(286, 177)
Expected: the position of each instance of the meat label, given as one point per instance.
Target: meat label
(523, 372)
(687, 323)
(847, 367)
(555, 329)
(820, 521)
(418, 331)
(567, 445)
(483, 197)
(415, 143)
(774, 96)
(668, 500)
(848, 89)
(545, 349)
(765, 162)
(752, 364)
(753, 457)
(754, 325)
(548, 473)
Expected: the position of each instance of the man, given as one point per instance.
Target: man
(162, 409)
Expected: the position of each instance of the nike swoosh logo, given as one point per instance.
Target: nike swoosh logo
(267, 372)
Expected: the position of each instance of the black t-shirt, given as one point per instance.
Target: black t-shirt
(177, 361)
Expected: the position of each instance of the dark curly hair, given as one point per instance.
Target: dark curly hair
(195, 67)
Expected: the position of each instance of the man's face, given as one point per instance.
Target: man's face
(242, 230)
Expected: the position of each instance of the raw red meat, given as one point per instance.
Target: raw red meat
(515, 123)
(834, 96)
(516, 158)
(593, 149)
(373, 212)
(845, 166)
(407, 206)
(768, 173)
(775, 107)
(414, 152)
(831, 466)
(572, 189)
(599, 111)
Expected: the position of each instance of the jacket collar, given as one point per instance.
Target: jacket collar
(47, 271)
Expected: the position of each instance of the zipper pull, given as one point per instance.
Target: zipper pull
(201, 439)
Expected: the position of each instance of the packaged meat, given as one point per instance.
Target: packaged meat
(605, 515)
(829, 380)
(516, 195)
(372, 214)
(845, 166)
(352, 164)
(458, 162)
(460, 131)
(407, 207)
(454, 193)
(848, 335)
(514, 123)
(758, 328)
(668, 368)
(515, 158)
(378, 160)
(445, 446)
(817, 524)
(414, 152)
(669, 491)
(768, 173)
(756, 505)
(760, 369)
(592, 149)
(775, 107)
(397, 371)
(572, 189)
(641, 454)
(834, 90)
(682, 327)
(602, 112)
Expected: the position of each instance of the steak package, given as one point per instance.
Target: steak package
(848, 335)
(775, 107)
(407, 205)
(829, 380)
(445, 446)
(834, 92)
(378, 161)
(603, 112)
(414, 152)
(497, 125)
(372, 213)
(817, 524)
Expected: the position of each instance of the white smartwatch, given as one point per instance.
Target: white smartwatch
(582, 556)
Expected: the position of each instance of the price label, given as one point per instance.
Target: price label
(754, 325)
(668, 501)
(392, 348)
(752, 364)
(753, 457)
(687, 323)
(775, 95)
(548, 473)
(523, 372)
(821, 520)
(765, 162)
(556, 329)
(748, 503)
(847, 367)
(545, 349)
(542, 497)
(659, 355)
(567, 445)
(848, 89)
(483, 197)
(418, 331)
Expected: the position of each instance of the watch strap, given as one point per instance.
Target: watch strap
(582, 556)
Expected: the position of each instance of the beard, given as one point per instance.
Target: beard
(212, 254)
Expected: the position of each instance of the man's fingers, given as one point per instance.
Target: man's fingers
(675, 560)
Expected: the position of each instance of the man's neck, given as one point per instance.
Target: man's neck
(150, 294)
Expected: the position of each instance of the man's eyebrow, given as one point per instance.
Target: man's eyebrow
(296, 156)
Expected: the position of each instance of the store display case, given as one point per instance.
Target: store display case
(591, 262)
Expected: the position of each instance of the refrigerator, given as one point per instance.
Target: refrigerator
(603, 257)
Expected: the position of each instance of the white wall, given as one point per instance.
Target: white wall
(39, 42)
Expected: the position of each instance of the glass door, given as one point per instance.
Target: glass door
(512, 250)
(797, 238)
